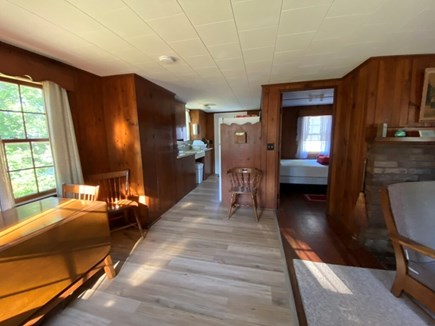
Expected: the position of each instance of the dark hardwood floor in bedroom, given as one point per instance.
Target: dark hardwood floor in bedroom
(306, 234)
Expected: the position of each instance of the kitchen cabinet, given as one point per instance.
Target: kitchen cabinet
(185, 175)
(180, 120)
(208, 163)
(140, 131)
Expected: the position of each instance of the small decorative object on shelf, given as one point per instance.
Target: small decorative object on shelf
(400, 133)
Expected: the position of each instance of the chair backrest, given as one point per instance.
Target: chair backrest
(114, 186)
(82, 192)
(245, 179)
(413, 206)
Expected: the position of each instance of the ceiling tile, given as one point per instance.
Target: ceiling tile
(189, 48)
(302, 20)
(173, 28)
(297, 4)
(258, 38)
(293, 42)
(209, 72)
(258, 54)
(256, 14)
(287, 56)
(201, 61)
(262, 66)
(421, 22)
(207, 11)
(134, 55)
(152, 9)
(105, 39)
(94, 8)
(60, 13)
(152, 45)
(353, 7)
(125, 23)
(224, 51)
(231, 64)
(333, 27)
(218, 33)
(233, 76)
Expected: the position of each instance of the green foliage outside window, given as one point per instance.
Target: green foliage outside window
(24, 135)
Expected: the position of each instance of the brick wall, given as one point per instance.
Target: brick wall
(389, 163)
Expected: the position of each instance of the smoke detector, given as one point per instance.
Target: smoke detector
(167, 59)
(207, 106)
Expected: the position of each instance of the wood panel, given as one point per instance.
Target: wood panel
(88, 116)
(198, 117)
(185, 176)
(240, 155)
(208, 164)
(156, 111)
(122, 128)
(209, 135)
(180, 120)
(84, 93)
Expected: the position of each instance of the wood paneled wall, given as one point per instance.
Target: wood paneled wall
(84, 92)
(233, 154)
(289, 128)
(198, 117)
(382, 89)
(122, 128)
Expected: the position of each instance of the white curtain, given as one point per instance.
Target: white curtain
(314, 135)
(6, 196)
(62, 136)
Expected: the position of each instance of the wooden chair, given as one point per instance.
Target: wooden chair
(82, 192)
(244, 181)
(409, 214)
(115, 190)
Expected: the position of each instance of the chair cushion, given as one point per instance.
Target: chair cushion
(423, 272)
(413, 206)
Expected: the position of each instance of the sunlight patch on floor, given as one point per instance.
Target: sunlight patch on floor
(328, 279)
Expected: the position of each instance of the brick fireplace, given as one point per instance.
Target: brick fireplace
(391, 161)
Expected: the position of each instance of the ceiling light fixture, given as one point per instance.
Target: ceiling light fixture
(208, 105)
(167, 59)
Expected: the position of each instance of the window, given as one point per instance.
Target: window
(314, 133)
(25, 140)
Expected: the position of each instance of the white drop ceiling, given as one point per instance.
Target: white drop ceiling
(225, 50)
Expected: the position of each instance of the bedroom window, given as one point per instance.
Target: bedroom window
(25, 142)
(314, 136)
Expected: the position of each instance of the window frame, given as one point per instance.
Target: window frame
(4, 142)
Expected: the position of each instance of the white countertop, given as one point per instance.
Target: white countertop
(198, 154)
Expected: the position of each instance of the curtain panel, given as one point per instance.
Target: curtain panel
(6, 196)
(314, 135)
(62, 136)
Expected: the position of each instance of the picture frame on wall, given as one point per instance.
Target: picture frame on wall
(427, 107)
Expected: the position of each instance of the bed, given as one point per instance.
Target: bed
(303, 172)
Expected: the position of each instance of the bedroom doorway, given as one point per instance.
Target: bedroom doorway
(306, 128)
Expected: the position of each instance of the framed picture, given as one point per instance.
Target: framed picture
(427, 107)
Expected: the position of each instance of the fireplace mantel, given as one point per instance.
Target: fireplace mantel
(419, 140)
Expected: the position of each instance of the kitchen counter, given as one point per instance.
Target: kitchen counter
(198, 154)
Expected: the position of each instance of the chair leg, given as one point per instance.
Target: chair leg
(108, 267)
(254, 204)
(233, 201)
(136, 216)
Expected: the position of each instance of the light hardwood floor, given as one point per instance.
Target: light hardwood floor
(194, 267)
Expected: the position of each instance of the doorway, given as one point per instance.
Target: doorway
(305, 146)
